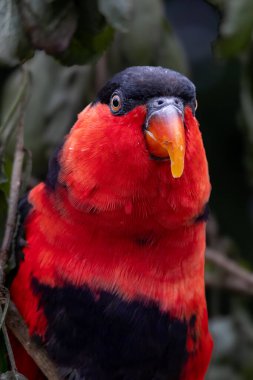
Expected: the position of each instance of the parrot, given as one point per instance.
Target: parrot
(110, 281)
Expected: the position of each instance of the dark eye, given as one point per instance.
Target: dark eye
(115, 103)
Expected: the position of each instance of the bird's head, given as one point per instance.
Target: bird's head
(138, 147)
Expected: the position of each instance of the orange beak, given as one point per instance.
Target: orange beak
(165, 137)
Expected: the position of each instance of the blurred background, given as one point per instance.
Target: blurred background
(70, 48)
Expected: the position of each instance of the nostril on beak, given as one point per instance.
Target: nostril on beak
(160, 102)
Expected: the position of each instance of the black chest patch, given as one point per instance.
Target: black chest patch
(203, 216)
(53, 169)
(98, 336)
(19, 239)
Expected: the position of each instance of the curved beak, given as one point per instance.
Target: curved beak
(165, 135)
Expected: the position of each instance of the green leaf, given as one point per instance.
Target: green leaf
(91, 38)
(74, 32)
(137, 48)
(14, 47)
(236, 28)
(171, 53)
(116, 12)
(49, 24)
(149, 41)
(8, 124)
(81, 53)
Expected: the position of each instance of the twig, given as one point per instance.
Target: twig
(19, 329)
(13, 319)
(9, 350)
(4, 300)
(12, 210)
(237, 278)
(230, 283)
(14, 193)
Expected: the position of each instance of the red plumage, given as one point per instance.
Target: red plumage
(118, 222)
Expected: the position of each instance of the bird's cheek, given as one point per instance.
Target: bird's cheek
(125, 133)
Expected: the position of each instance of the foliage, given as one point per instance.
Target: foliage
(236, 27)
(72, 32)
(160, 46)
(236, 41)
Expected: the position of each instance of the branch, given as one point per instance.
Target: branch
(14, 195)
(13, 319)
(12, 210)
(19, 329)
(237, 278)
(230, 283)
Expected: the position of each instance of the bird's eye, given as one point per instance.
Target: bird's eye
(196, 104)
(116, 103)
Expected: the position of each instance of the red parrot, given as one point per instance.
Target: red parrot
(111, 281)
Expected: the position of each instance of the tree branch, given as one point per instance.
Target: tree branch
(230, 283)
(19, 329)
(14, 189)
(235, 277)
(13, 319)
